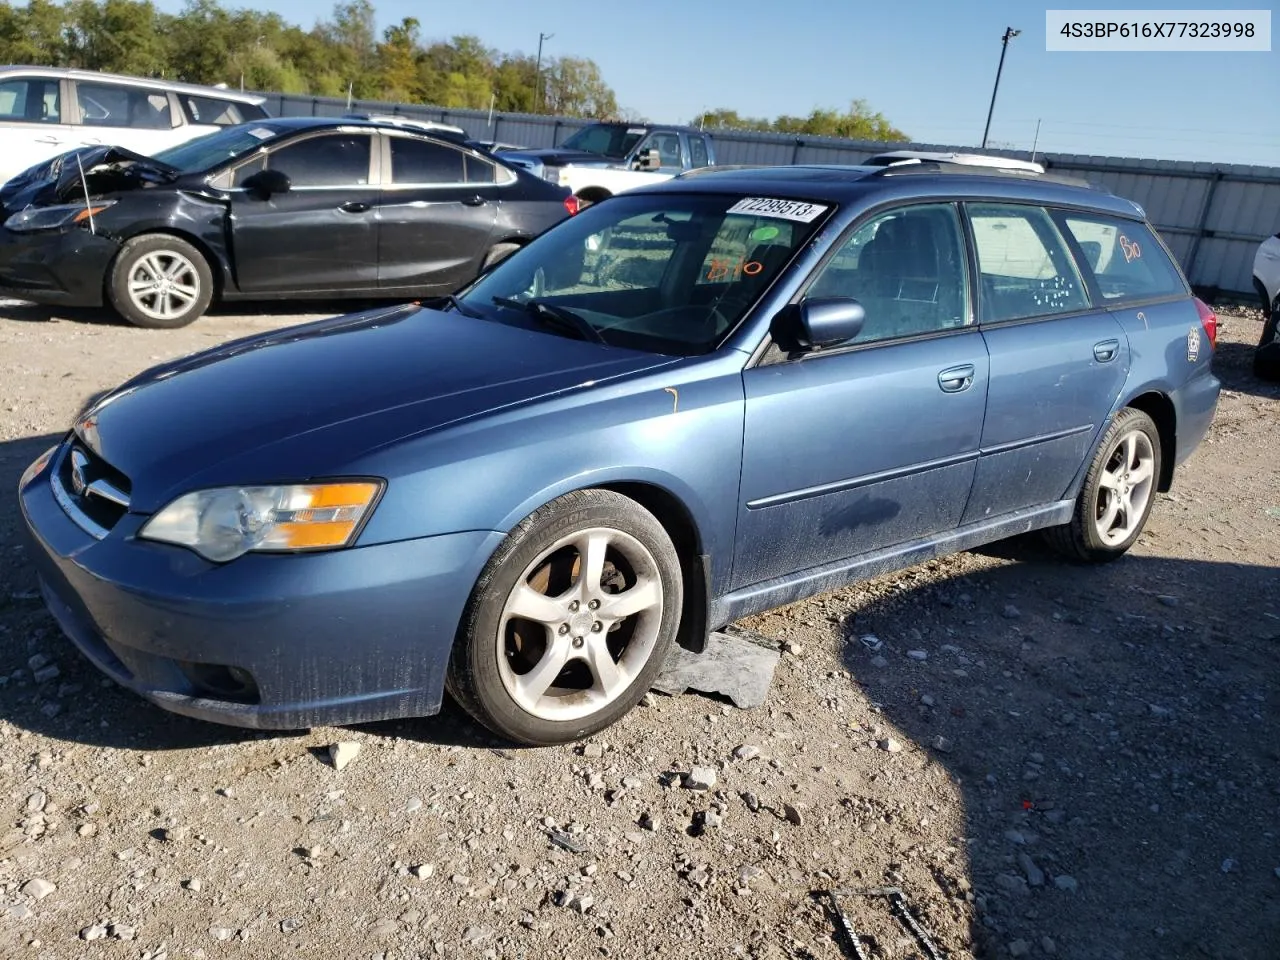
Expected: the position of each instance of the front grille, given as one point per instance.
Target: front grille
(92, 492)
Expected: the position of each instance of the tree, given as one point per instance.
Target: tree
(574, 88)
(398, 61)
(859, 122)
(118, 36)
(33, 34)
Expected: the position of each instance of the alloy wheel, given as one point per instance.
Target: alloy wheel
(580, 624)
(1125, 488)
(163, 284)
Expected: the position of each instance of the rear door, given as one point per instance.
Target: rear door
(436, 211)
(32, 125)
(874, 444)
(1057, 362)
(320, 235)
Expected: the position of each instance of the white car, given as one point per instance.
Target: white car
(45, 111)
(895, 157)
(1266, 280)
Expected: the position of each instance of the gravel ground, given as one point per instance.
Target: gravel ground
(1048, 760)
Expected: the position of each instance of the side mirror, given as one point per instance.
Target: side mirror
(650, 159)
(828, 322)
(265, 183)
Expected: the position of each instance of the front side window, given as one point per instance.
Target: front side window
(907, 269)
(668, 147)
(667, 274)
(330, 160)
(1023, 263)
(30, 101)
(1126, 259)
(112, 105)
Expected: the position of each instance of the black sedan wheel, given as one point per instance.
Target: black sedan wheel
(159, 281)
(570, 622)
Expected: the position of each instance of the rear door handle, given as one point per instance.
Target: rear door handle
(475, 201)
(53, 140)
(354, 206)
(1106, 350)
(956, 379)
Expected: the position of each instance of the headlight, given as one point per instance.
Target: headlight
(50, 218)
(38, 464)
(228, 522)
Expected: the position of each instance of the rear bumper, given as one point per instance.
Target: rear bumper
(1195, 403)
(66, 268)
(325, 638)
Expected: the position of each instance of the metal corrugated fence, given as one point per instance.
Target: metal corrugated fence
(1212, 216)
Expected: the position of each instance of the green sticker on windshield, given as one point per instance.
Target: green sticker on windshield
(763, 234)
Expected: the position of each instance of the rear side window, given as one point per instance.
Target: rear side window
(697, 152)
(1024, 266)
(479, 171)
(424, 161)
(210, 110)
(112, 105)
(332, 160)
(1127, 260)
(30, 101)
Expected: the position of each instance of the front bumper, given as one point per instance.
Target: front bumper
(62, 267)
(332, 638)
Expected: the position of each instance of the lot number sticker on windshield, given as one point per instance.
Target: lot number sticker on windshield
(786, 209)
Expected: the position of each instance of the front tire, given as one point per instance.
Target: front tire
(1117, 494)
(160, 282)
(570, 621)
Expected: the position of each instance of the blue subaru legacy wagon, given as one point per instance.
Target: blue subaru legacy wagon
(689, 403)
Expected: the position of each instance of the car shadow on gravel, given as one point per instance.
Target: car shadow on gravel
(1114, 732)
(1233, 365)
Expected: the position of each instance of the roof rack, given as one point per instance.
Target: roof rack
(925, 167)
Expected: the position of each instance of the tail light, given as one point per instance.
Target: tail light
(572, 204)
(1208, 320)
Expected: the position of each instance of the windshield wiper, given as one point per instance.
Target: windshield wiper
(554, 316)
(451, 301)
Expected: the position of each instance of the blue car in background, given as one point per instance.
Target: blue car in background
(689, 403)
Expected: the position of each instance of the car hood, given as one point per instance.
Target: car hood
(560, 158)
(379, 376)
(58, 179)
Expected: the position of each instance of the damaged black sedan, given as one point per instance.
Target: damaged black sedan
(277, 209)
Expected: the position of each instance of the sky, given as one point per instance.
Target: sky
(928, 66)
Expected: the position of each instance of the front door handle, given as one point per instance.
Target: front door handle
(1106, 350)
(354, 206)
(53, 140)
(956, 379)
(475, 201)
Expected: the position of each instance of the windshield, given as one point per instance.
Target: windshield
(607, 141)
(671, 274)
(204, 153)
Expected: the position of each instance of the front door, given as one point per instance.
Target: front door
(874, 443)
(436, 215)
(1057, 363)
(32, 125)
(322, 234)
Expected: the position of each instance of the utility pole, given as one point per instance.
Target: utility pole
(1034, 142)
(1009, 34)
(538, 69)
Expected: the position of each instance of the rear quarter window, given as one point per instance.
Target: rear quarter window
(1126, 259)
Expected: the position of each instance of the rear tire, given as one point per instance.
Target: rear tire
(160, 282)
(1266, 358)
(548, 653)
(1117, 494)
